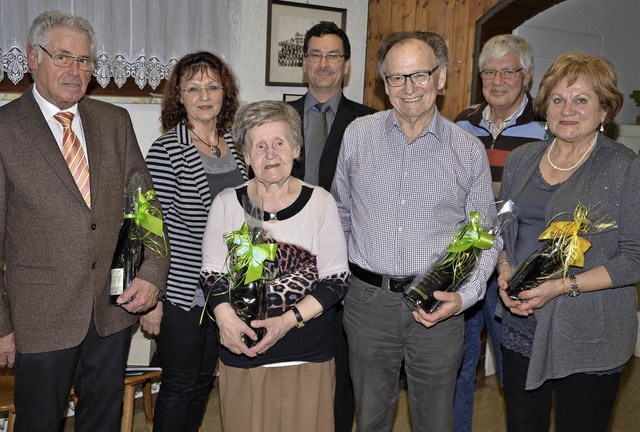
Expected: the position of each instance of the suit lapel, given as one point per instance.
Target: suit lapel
(91, 127)
(37, 133)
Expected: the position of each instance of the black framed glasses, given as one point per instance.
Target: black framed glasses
(193, 90)
(317, 57)
(418, 78)
(66, 60)
(506, 74)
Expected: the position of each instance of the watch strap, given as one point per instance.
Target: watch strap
(299, 319)
(574, 291)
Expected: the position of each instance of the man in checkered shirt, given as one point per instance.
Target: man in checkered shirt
(406, 179)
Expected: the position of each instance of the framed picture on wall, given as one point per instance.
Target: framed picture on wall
(287, 24)
(289, 97)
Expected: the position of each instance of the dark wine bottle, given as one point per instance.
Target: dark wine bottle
(250, 303)
(126, 259)
(441, 278)
(545, 263)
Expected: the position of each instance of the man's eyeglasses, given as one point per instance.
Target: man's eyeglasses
(317, 58)
(418, 78)
(506, 74)
(66, 60)
(193, 90)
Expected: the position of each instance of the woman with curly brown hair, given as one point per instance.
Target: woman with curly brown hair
(193, 161)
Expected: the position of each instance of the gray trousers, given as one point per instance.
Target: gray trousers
(381, 333)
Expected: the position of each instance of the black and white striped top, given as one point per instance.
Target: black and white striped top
(181, 185)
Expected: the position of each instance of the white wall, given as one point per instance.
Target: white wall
(249, 50)
(601, 27)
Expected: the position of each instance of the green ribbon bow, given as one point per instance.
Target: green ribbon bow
(149, 217)
(250, 256)
(471, 235)
(464, 246)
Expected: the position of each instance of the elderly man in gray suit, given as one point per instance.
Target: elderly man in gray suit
(64, 163)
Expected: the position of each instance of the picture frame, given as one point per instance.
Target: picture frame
(290, 97)
(287, 23)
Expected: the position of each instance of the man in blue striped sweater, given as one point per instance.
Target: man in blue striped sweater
(503, 122)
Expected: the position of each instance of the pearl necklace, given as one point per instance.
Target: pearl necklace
(572, 167)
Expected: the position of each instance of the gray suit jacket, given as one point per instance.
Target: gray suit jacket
(595, 331)
(57, 251)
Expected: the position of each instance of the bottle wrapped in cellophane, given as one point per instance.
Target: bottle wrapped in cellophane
(562, 248)
(459, 260)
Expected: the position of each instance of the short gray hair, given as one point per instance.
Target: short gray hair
(40, 29)
(501, 45)
(437, 44)
(260, 113)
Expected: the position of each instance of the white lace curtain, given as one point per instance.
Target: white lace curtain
(138, 39)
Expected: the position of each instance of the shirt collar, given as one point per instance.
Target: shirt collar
(495, 129)
(310, 101)
(48, 109)
(435, 126)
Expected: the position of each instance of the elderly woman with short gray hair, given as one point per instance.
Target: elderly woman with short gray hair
(286, 381)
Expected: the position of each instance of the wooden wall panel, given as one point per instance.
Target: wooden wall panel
(454, 20)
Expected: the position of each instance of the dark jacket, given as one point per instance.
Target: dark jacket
(348, 111)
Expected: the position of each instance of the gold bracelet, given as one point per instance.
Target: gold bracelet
(564, 286)
(502, 262)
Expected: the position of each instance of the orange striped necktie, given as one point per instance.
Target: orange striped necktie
(74, 155)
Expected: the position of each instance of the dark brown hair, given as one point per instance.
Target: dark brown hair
(173, 112)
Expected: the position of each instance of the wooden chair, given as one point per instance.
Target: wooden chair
(6, 396)
(128, 402)
(128, 406)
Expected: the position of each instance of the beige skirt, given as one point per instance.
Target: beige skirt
(278, 399)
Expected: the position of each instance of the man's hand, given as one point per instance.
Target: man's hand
(150, 322)
(452, 304)
(139, 297)
(7, 350)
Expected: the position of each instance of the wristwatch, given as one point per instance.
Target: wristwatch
(298, 315)
(574, 291)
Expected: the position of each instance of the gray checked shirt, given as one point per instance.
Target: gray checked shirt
(400, 202)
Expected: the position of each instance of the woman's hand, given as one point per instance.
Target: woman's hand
(534, 298)
(232, 328)
(150, 321)
(451, 304)
(276, 328)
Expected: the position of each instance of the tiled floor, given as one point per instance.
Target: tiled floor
(489, 407)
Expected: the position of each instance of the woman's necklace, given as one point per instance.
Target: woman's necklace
(215, 151)
(556, 167)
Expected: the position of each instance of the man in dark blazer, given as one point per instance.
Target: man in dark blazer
(326, 61)
(56, 319)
